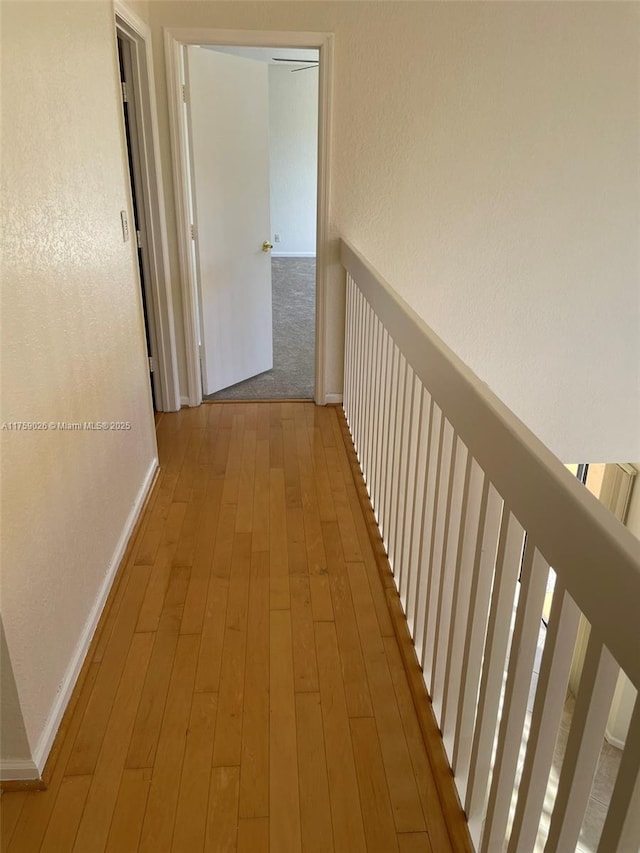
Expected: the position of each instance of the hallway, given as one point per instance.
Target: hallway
(245, 689)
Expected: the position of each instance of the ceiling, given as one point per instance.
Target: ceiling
(268, 54)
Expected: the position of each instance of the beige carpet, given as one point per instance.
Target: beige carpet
(294, 300)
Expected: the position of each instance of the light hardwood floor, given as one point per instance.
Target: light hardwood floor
(245, 689)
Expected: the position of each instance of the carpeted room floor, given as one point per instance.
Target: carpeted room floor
(294, 300)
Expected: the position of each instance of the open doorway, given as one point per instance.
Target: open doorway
(176, 41)
(140, 235)
(251, 122)
(148, 228)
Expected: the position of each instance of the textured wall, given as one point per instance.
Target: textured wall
(13, 737)
(140, 8)
(72, 337)
(485, 161)
(293, 150)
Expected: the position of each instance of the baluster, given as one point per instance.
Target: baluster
(366, 392)
(438, 538)
(545, 719)
(376, 440)
(476, 624)
(621, 831)
(422, 565)
(495, 651)
(456, 507)
(357, 373)
(352, 348)
(366, 422)
(470, 530)
(383, 438)
(533, 586)
(593, 703)
(347, 348)
(361, 379)
(416, 469)
(397, 451)
(391, 443)
(413, 579)
(372, 384)
(404, 472)
(374, 390)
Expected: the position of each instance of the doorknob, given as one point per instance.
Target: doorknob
(266, 246)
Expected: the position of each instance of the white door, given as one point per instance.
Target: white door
(229, 132)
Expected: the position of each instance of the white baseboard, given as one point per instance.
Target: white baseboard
(614, 741)
(18, 770)
(41, 752)
(293, 254)
(332, 398)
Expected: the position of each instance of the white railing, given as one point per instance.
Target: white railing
(473, 511)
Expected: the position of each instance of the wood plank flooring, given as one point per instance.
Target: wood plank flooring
(245, 689)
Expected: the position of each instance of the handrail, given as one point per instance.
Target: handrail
(594, 556)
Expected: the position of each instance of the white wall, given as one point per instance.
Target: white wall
(139, 7)
(16, 753)
(484, 158)
(293, 159)
(72, 346)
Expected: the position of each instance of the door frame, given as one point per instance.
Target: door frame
(175, 39)
(146, 155)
